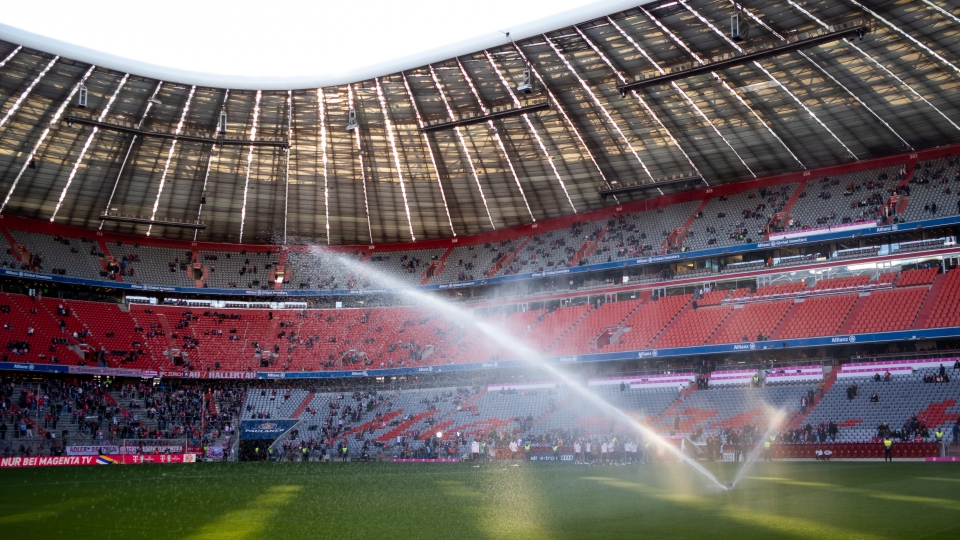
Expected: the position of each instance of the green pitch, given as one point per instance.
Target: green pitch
(442, 501)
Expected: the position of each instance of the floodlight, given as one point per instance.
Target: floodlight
(351, 119)
(222, 125)
(82, 97)
(739, 28)
(527, 85)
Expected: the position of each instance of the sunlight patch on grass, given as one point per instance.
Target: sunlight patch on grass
(788, 482)
(27, 516)
(932, 501)
(513, 513)
(678, 496)
(883, 495)
(955, 480)
(789, 525)
(45, 512)
(248, 522)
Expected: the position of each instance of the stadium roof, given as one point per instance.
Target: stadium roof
(308, 178)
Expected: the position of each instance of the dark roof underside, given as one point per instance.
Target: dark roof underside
(829, 104)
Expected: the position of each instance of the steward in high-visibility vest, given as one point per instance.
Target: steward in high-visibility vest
(887, 449)
(526, 451)
(939, 434)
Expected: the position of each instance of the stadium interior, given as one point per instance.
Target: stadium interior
(721, 228)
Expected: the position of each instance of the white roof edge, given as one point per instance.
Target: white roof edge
(241, 82)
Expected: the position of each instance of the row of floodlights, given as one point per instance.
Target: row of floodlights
(158, 220)
(82, 95)
(525, 87)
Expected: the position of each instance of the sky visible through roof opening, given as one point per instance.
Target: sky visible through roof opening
(280, 45)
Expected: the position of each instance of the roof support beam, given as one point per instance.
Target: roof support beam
(123, 164)
(533, 131)
(927, 2)
(693, 105)
(396, 155)
(43, 136)
(175, 136)
(246, 182)
(86, 146)
(745, 58)
(486, 117)
(914, 40)
(463, 144)
(286, 164)
(563, 112)
(429, 147)
(723, 83)
(173, 146)
(363, 172)
(878, 64)
(322, 119)
(644, 104)
(772, 78)
(23, 95)
(213, 155)
(11, 55)
(825, 73)
(596, 102)
(496, 137)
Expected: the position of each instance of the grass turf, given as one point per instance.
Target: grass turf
(343, 501)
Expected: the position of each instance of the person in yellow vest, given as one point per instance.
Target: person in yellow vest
(526, 450)
(766, 450)
(939, 435)
(887, 449)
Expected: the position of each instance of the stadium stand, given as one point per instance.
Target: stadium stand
(62, 256)
(845, 198)
(731, 408)
(739, 218)
(878, 314)
(923, 276)
(817, 316)
(244, 339)
(647, 321)
(945, 310)
(903, 400)
(752, 322)
(692, 327)
(406, 267)
(581, 339)
(933, 189)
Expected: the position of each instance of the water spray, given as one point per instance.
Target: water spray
(523, 353)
